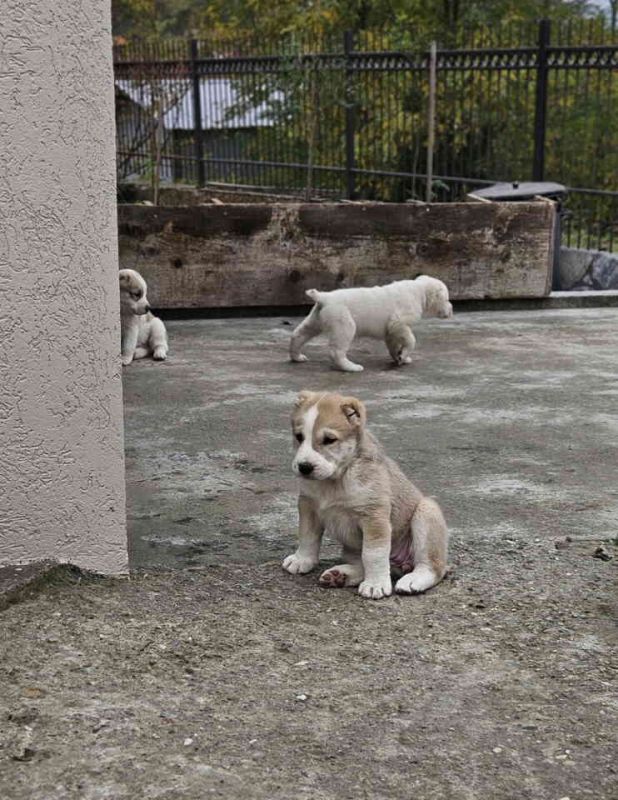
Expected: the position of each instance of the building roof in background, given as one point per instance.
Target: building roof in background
(222, 103)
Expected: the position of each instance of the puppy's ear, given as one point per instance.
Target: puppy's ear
(303, 397)
(355, 411)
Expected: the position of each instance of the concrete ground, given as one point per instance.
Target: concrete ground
(509, 419)
(230, 678)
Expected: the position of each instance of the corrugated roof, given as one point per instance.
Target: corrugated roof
(222, 103)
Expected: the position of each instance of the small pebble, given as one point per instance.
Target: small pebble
(561, 544)
(188, 741)
(301, 698)
(497, 750)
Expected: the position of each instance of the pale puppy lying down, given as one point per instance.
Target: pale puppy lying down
(353, 491)
(142, 334)
(382, 312)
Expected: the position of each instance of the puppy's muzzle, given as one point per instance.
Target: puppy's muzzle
(305, 469)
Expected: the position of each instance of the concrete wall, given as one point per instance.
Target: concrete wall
(61, 440)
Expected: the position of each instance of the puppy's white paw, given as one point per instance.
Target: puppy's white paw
(376, 590)
(419, 580)
(405, 360)
(342, 575)
(351, 367)
(159, 354)
(299, 358)
(126, 360)
(298, 565)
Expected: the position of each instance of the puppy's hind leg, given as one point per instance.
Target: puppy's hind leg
(351, 573)
(340, 327)
(429, 549)
(400, 342)
(308, 329)
(158, 339)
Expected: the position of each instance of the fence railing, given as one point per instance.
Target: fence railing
(346, 116)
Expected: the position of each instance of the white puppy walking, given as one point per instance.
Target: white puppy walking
(142, 334)
(382, 312)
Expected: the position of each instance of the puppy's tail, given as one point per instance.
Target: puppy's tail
(315, 296)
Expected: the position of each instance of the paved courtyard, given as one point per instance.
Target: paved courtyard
(510, 419)
(225, 677)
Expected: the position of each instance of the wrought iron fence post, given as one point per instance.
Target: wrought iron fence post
(431, 119)
(197, 112)
(540, 113)
(350, 116)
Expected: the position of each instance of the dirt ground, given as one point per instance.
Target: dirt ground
(226, 677)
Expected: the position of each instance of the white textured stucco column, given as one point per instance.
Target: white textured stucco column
(61, 442)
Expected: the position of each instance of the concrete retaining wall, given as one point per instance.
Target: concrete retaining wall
(267, 254)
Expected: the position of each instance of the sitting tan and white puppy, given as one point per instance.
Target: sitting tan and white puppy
(350, 489)
(142, 334)
(382, 312)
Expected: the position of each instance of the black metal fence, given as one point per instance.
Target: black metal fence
(346, 116)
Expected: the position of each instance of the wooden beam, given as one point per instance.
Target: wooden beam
(234, 255)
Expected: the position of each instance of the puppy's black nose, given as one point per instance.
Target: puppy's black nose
(305, 469)
(147, 308)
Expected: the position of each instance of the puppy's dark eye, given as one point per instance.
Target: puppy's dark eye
(299, 437)
(136, 295)
(329, 439)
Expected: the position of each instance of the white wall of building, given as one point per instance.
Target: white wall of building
(61, 440)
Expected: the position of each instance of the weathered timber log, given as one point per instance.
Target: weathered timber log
(267, 255)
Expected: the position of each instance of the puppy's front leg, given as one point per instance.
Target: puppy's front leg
(129, 342)
(158, 340)
(310, 531)
(376, 555)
